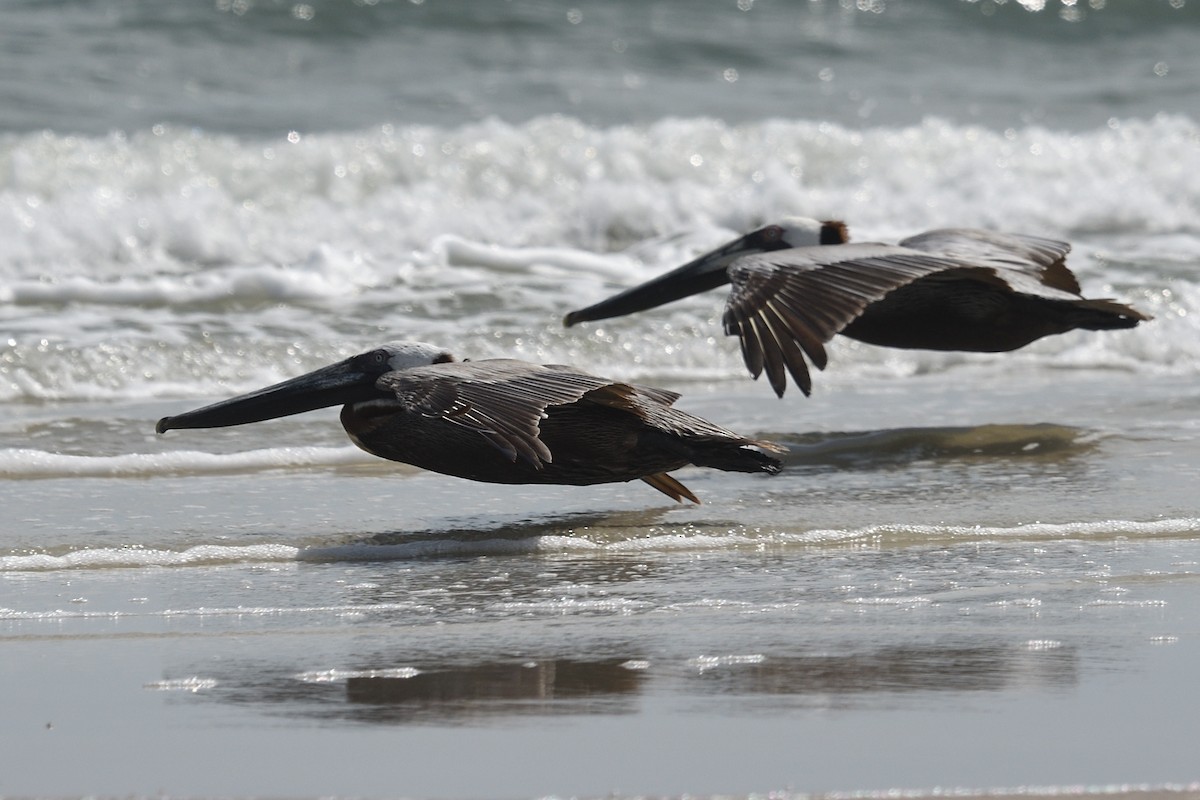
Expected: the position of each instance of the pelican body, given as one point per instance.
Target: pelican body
(499, 420)
(798, 283)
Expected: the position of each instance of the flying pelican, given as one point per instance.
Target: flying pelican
(499, 420)
(949, 289)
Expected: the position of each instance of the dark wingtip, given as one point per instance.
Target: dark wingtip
(163, 425)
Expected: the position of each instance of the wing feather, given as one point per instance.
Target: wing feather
(502, 399)
(1036, 256)
(795, 340)
(788, 301)
(771, 356)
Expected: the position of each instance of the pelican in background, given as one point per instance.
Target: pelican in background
(949, 289)
(499, 420)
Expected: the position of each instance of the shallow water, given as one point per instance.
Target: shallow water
(587, 674)
(993, 599)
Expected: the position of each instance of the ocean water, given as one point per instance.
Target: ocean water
(977, 572)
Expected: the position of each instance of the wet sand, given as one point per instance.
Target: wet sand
(963, 666)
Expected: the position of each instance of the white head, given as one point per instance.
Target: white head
(406, 355)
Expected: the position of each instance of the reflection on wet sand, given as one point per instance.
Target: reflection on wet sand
(895, 669)
(490, 690)
(446, 695)
(885, 448)
(529, 688)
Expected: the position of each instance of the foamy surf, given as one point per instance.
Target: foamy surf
(586, 541)
(704, 538)
(137, 557)
(25, 463)
(204, 611)
(292, 269)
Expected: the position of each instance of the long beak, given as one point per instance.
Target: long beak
(336, 384)
(706, 272)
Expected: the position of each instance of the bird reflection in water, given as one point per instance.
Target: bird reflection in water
(492, 691)
(533, 687)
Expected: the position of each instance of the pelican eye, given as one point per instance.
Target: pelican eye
(376, 359)
(771, 233)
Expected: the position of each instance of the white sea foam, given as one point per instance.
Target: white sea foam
(126, 557)
(191, 684)
(706, 663)
(207, 611)
(431, 545)
(106, 207)
(171, 262)
(338, 675)
(699, 539)
(29, 463)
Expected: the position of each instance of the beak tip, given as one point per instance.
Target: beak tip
(570, 319)
(163, 425)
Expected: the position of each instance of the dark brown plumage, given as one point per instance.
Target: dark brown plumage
(500, 420)
(950, 289)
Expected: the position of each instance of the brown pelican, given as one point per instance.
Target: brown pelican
(499, 420)
(950, 289)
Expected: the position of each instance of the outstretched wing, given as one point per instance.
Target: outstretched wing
(503, 399)
(1035, 256)
(786, 304)
(653, 407)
